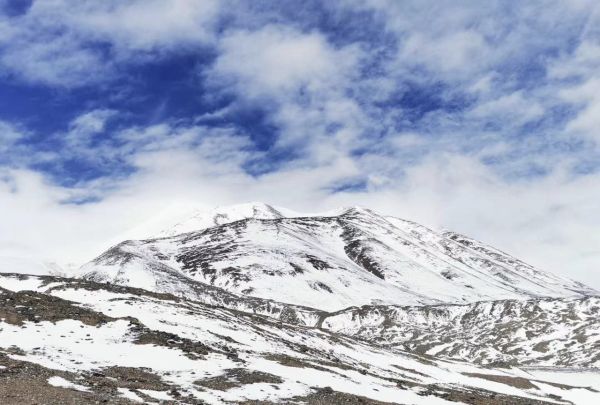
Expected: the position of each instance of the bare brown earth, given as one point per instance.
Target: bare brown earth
(26, 383)
(327, 396)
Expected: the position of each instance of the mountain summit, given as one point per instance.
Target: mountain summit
(207, 218)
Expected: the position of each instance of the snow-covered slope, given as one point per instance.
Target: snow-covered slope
(68, 341)
(354, 258)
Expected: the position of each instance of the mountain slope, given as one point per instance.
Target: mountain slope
(542, 332)
(76, 342)
(328, 262)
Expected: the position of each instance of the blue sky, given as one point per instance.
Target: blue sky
(477, 117)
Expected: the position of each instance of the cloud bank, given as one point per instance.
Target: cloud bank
(478, 118)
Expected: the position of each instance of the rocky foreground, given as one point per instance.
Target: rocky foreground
(68, 341)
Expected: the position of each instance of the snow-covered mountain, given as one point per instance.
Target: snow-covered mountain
(352, 257)
(253, 304)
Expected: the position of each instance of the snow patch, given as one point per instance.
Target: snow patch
(57, 381)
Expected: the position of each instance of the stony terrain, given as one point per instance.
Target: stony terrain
(72, 341)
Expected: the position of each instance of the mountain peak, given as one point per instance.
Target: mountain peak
(248, 206)
(205, 218)
(357, 210)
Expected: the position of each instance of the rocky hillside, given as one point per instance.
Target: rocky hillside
(540, 332)
(67, 341)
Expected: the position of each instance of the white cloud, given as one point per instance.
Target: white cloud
(582, 89)
(91, 122)
(302, 79)
(457, 52)
(56, 42)
(77, 141)
(144, 25)
(581, 63)
(513, 109)
(9, 135)
(551, 223)
(56, 61)
(277, 60)
(83, 128)
(335, 109)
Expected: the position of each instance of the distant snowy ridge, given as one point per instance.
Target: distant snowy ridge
(26, 265)
(179, 218)
(202, 219)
